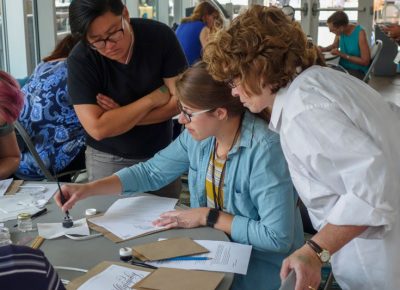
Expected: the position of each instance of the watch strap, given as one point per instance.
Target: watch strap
(313, 245)
(212, 217)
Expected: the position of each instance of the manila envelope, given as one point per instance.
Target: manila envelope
(178, 279)
(165, 249)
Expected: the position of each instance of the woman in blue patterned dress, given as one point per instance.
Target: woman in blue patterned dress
(49, 118)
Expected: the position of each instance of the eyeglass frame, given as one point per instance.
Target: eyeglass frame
(109, 38)
(189, 116)
(231, 83)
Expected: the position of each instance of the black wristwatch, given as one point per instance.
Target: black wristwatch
(323, 254)
(212, 217)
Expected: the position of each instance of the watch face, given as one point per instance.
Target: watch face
(325, 256)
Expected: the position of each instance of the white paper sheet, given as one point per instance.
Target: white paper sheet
(133, 216)
(30, 198)
(225, 257)
(114, 278)
(4, 185)
(11, 206)
(38, 191)
(55, 230)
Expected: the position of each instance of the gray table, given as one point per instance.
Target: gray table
(86, 254)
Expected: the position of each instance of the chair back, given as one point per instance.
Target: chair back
(31, 147)
(72, 175)
(375, 52)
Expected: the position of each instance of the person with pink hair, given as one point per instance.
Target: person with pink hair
(11, 102)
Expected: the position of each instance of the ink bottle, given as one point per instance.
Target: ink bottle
(24, 222)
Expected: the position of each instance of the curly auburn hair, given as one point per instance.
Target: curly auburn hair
(261, 47)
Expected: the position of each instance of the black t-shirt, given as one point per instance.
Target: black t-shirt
(156, 55)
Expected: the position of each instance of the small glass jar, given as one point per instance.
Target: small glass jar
(24, 222)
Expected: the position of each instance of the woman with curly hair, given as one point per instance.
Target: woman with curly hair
(11, 102)
(340, 140)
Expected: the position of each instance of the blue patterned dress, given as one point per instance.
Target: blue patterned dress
(50, 120)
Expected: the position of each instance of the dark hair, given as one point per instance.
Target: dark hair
(63, 48)
(339, 18)
(11, 98)
(83, 12)
(196, 87)
(202, 9)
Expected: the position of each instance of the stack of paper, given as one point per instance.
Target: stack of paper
(109, 275)
(132, 217)
(222, 257)
(24, 200)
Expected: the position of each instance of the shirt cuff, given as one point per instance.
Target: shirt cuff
(239, 229)
(125, 176)
(351, 210)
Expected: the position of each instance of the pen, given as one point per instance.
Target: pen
(142, 264)
(39, 213)
(188, 259)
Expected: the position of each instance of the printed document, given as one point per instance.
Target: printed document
(133, 216)
(114, 278)
(224, 257)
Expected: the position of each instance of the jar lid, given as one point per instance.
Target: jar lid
(24, 216)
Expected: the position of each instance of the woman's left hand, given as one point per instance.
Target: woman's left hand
(190, 218)
(307, 266)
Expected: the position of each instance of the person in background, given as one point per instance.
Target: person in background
(340, 139)
(50, 119)
(26, 268)
(11, 102)
(350, 44)
(194, 31)
(121, 80)
(392, 31)
(238, 178)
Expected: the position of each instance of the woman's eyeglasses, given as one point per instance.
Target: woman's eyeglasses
(189, 116)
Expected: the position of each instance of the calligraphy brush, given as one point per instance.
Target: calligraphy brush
(67, 223)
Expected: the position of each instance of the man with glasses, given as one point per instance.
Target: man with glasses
(121, 79)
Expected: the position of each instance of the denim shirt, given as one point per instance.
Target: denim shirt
(258, 192)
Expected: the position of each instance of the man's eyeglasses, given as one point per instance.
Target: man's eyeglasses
(189, 116)
(113, 37)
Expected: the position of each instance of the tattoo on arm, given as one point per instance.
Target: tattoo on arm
(163, 89)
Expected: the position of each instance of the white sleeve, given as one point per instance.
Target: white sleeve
(347, 162)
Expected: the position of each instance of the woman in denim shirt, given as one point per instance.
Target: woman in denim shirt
(254, 201)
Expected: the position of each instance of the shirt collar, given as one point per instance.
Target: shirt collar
(277, 109)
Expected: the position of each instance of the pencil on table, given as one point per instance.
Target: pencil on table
(37, 242)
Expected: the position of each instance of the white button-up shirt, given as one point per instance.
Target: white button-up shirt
(342, 144)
